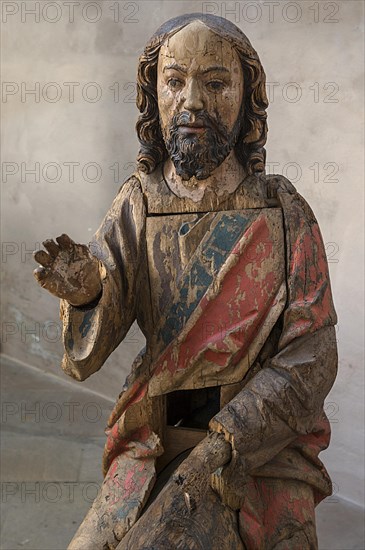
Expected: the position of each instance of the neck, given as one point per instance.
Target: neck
(223, 181)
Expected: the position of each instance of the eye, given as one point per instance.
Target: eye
(215, 86)
(174, 83)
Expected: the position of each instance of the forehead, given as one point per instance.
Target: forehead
(198, 46)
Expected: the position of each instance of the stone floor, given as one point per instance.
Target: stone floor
(51, 447)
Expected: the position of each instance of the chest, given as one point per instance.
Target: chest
(191, 253)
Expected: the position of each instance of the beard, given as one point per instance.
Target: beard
(199, 154)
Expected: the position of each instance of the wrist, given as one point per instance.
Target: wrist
(89, 304)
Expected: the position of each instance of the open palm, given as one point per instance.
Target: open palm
(68, 270)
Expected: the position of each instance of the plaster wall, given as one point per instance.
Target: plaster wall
(76, 132)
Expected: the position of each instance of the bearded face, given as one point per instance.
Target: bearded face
(198, 143)
(200, 94)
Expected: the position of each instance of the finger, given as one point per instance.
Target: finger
(40, 274)
(45, 279)
(64, 241)
(42, 258)
(51, 247)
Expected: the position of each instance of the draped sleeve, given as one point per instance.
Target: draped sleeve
(92, 332)
(284, 399)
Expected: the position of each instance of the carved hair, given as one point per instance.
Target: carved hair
(249, 148)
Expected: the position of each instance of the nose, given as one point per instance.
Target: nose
(194, 100)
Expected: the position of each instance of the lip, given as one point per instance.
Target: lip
(194, 128)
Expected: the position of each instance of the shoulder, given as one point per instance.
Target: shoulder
(294, 206)
(127, 208)
(131, 186)
(129, 196)
(276, 184)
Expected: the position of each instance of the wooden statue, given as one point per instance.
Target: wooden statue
(214, 441)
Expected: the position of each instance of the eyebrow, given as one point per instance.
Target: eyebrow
(218, 68)
(178, 67)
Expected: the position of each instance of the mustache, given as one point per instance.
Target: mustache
(201, 118)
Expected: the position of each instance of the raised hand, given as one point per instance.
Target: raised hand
(68, 270)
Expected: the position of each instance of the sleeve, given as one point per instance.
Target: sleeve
(286, 396)
(91, 333)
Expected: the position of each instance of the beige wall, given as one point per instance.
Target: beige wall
(311, 52)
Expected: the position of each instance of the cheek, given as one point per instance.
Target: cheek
(167, 103)
(227, 107)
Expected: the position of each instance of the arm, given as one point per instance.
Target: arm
(285, 398)
(92, 332)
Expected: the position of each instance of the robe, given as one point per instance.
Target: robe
(231, 292)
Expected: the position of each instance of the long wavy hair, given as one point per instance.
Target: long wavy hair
(249, 148)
